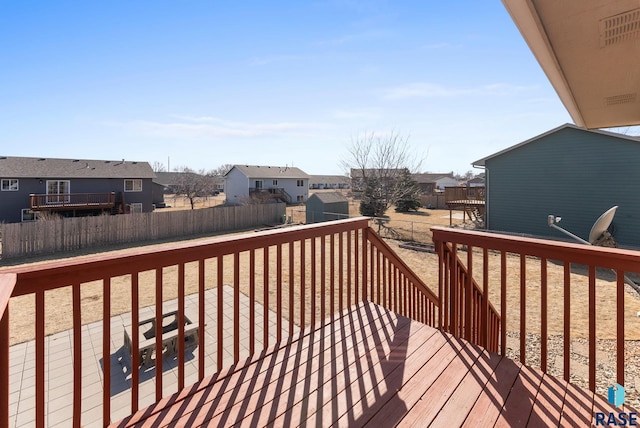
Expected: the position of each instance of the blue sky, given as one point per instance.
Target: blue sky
(204, 83)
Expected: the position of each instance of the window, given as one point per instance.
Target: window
(258, 184)
(300, 198)
(9, 184)
(275, 182)
(135, 207)
(300, 183)
(28, 215)
(58, 191)
(133, 185)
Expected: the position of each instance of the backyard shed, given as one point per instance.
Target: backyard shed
(326, 207)
(568, 172)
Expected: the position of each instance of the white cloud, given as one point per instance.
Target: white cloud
(214, 127)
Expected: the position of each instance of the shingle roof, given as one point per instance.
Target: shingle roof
(252, 171)
(22, 167)
(635, 138)
(329, 179)
(330, 197)
(431, 177)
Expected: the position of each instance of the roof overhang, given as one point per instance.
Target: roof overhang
(590, 51)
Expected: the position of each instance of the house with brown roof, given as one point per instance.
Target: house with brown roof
(435, 181)
(266, 183)
(72, 187)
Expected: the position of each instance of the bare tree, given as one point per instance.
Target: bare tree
(193, 185)
(378, 164)
(158, 167)
(220, 171)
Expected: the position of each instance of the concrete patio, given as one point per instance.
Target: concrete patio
(59, 364)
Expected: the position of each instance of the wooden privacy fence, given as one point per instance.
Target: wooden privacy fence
(69, 234)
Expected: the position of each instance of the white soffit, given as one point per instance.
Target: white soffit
(590, 51)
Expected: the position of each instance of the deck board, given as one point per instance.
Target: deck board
(371, 367)
(466, 394)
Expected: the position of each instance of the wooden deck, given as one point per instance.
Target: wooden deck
(372, 367)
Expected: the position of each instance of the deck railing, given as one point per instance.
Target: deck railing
(301, 274)
(63, 201)
(467, 312)
(529, 268)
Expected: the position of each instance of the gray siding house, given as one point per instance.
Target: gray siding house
(266, 183)
(72, 187)
(569, 172)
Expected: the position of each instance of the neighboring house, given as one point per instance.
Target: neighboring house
(569, 172)
(329, 182)
(433, 182)
(72, 187)
(327, 206)
(286, 184)
(476, 182)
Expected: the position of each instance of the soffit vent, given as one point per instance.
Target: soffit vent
(621, 99)
(620, 28)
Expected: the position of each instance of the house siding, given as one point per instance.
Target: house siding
(572, 173)
(319, 210)
(12, 203)
(236, 186)
(238, 183)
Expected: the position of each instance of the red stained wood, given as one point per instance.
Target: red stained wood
(576, 409)
(521, 399)
(372, 367)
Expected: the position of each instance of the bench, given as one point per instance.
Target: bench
(147, 337)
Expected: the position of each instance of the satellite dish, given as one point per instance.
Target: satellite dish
(602, 224)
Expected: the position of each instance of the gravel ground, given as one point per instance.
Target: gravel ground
(605, 362)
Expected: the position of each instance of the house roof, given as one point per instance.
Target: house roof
(357, 172)
(481, 162)
(328, 179)
(431, 177)
(589, 50)
(330, 197)
(23, 167)
(257, 171)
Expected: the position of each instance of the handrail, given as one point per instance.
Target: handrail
(538, 254)
(343, 256)
(468, 312)
(7, 284)
(612, 258)
(393, 284)
(63, 200)
(375, 239)
(55, 274)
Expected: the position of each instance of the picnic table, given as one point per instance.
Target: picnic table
(147, 337)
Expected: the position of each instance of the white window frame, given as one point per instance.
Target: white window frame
(135, 185)
(10, 185)
(135, 207)
(24, 211)
(275, 182)
(300, 183)
(259, 184)
(52, 197)
(300, 198)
